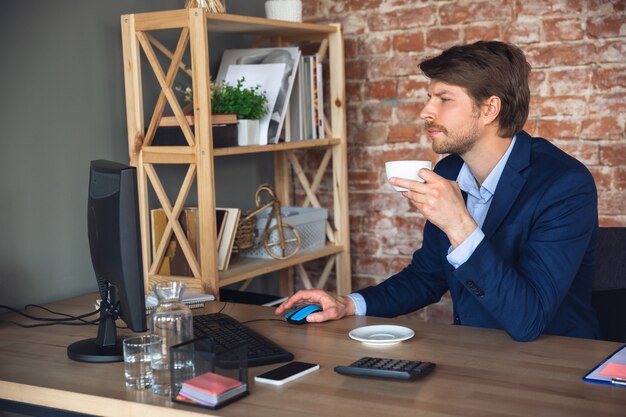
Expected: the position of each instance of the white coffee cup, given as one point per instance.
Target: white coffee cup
(406, 169)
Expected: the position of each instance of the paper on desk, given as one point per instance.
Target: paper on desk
(612, 367)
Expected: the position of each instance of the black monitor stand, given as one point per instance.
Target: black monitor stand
(106, 347)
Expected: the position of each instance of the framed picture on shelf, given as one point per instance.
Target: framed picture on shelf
(243, 62)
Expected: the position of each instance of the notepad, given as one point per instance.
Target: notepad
(612, 370)
(210, 389)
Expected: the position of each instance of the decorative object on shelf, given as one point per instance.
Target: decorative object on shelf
(225, 135)
(249, 104)
(211, 6)
(187, 93)
(289, 10)
(309, 222)
(274, 69)
(246, 103)
(172, 320)
(239, 100)
(288, 240)
(248, 132)
(225, 126)
(244, 239)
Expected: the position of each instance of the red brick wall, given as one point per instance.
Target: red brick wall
(578, 53)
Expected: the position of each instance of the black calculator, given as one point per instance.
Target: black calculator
(405, 370)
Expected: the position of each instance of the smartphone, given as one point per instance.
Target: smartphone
(286, 373)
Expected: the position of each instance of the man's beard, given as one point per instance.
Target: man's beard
(457, 143)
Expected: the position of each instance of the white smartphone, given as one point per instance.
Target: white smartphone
(286, 373)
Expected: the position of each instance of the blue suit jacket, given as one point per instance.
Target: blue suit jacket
(532, 272)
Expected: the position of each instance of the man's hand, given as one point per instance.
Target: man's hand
(441, 202)
(334, 307)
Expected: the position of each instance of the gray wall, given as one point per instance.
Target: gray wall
(62, 105)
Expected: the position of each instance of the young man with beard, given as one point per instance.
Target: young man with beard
(512, 220)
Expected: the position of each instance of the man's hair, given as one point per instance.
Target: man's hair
(487, 69)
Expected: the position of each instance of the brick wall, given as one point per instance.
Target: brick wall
(578, 53)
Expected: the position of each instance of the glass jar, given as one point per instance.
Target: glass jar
(172, 320)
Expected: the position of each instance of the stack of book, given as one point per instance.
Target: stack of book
(307, 101)
(210, 389)
(228, 220)
(174, 262)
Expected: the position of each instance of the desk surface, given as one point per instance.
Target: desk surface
(480, 372)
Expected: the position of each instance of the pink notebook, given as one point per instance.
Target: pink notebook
(212, 383)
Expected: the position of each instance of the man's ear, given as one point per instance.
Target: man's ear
(491, 109)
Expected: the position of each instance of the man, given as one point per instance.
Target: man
(511, 220)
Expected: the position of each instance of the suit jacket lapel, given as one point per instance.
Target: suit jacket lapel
(510, 184)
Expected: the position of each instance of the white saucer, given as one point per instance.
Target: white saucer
(384, 334)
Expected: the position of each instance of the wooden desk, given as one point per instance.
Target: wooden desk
(480, 372)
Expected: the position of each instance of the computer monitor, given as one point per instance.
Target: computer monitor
(115, 245)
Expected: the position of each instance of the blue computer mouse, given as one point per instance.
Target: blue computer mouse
(298, 316)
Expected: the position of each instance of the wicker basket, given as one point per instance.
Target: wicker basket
(244, 238)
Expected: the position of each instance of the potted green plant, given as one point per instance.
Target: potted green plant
(248, 103)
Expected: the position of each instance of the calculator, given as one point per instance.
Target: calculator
(401, 369)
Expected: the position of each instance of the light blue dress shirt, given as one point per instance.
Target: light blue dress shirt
(478, 202)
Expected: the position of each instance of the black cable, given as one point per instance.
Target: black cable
(64, 323)
(57, 320)
(27, 306)
(223, 307)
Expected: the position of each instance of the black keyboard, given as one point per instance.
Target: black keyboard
(387, 368)
(228, 333)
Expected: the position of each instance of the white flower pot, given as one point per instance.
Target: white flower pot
(248, 132)
(289, 10)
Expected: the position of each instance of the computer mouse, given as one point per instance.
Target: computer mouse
(299, 315)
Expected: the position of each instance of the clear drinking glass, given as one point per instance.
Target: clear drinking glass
(138, 353)
(172, 320)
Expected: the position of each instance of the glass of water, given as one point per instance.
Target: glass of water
(138, 352)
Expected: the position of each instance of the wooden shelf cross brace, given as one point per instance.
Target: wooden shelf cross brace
(166, 85)
(311, 189)
(173, 214)
(321, 283)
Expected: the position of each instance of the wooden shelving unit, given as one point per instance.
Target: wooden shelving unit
(195, 25)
